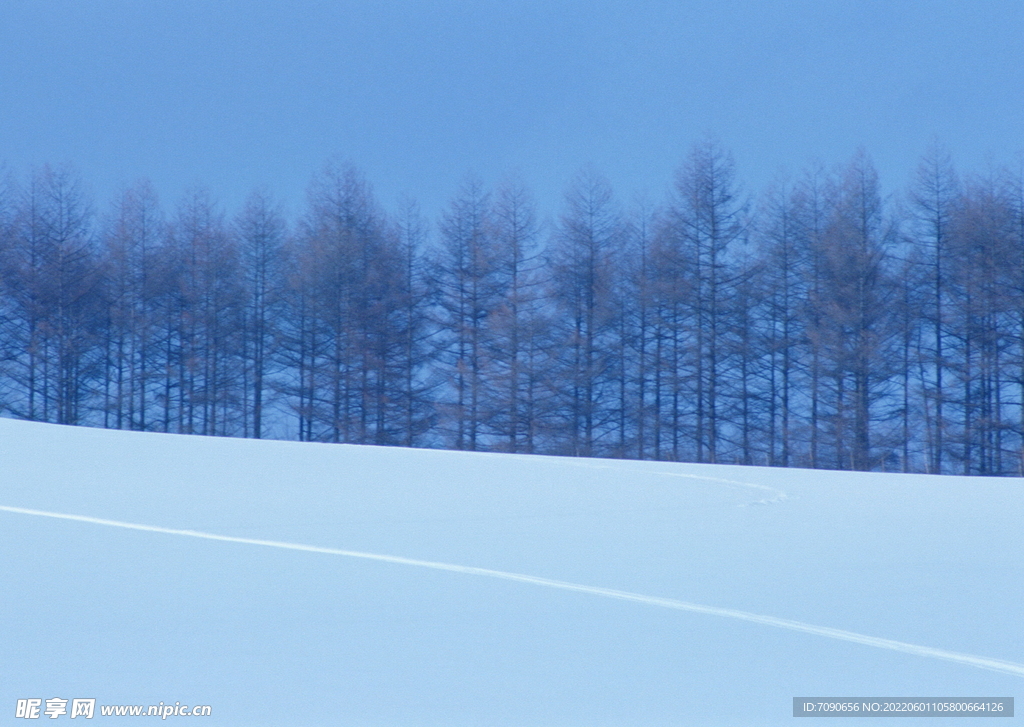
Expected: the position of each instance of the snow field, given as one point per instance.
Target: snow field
(269, 635)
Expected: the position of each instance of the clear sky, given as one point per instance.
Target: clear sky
(235, 94)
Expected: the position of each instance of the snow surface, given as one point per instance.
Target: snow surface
(330, 635)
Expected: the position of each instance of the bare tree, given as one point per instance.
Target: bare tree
(10, 350)
(514, 322)
(261, 231)
(638, 318)
(348, 271)
(414, 384)
(708, 218)
(785, 287)
(933, 202)
(53, 288)
(208, 326)
(981, 313)
(130, 240)
(584, 259)
(466, 274)
(857, 296)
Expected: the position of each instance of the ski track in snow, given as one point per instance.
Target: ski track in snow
(776, 495)
(1006, 667)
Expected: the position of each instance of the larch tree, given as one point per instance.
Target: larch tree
(130, 241)
(585, 254)
(10, 351)
(708, 218)
(414, 383)
(858, 299)
(782, 328)
(933, 201)
(350, 263)
(209, 317)
(639, 325)
(514, 320)
(55, 294)
(466, 276)
(261, 230)
(983, 242)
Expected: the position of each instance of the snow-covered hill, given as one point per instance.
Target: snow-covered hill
(522, 590)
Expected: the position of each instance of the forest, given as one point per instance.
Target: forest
(818, 324)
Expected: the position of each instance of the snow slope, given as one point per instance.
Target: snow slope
(523, 590)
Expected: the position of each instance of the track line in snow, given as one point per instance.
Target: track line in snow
(982, 662)
(776, 494)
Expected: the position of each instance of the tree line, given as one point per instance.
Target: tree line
(819, 325)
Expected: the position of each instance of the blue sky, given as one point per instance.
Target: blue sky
(235, 94)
